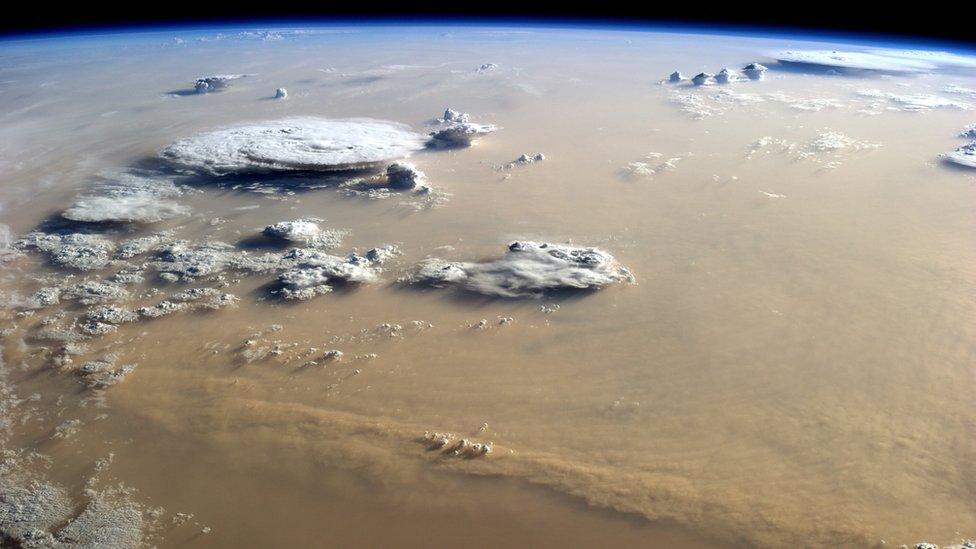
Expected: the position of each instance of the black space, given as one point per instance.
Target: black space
(931, 21)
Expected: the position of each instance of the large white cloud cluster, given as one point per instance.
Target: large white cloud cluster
(295, 144)
(304, 231)
(316, 272)
(527, 269)
(127, 197)
(881, 60)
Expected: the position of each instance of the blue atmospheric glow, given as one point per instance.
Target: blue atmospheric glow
(548, 23)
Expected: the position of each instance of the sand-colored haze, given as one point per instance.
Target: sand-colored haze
(794, 365)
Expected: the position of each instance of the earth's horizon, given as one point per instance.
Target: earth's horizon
(423, 284)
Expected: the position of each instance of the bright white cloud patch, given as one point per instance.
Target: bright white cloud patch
(916, 102)
(126, 197)
(315, 272)
(295, 144)
(964, 156)
(882, 60)
(528, 269)
(305, 231)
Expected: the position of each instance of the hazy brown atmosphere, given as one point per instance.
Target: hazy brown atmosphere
(792, 366)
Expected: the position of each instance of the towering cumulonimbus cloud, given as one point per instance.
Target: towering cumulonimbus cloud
(404, 176)
(725, 76)
(963, 156)
(528, 269)
(295, 144)
(754, 71)
(456, 130)
(217, 82)
(702, 79)
(304, 231)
